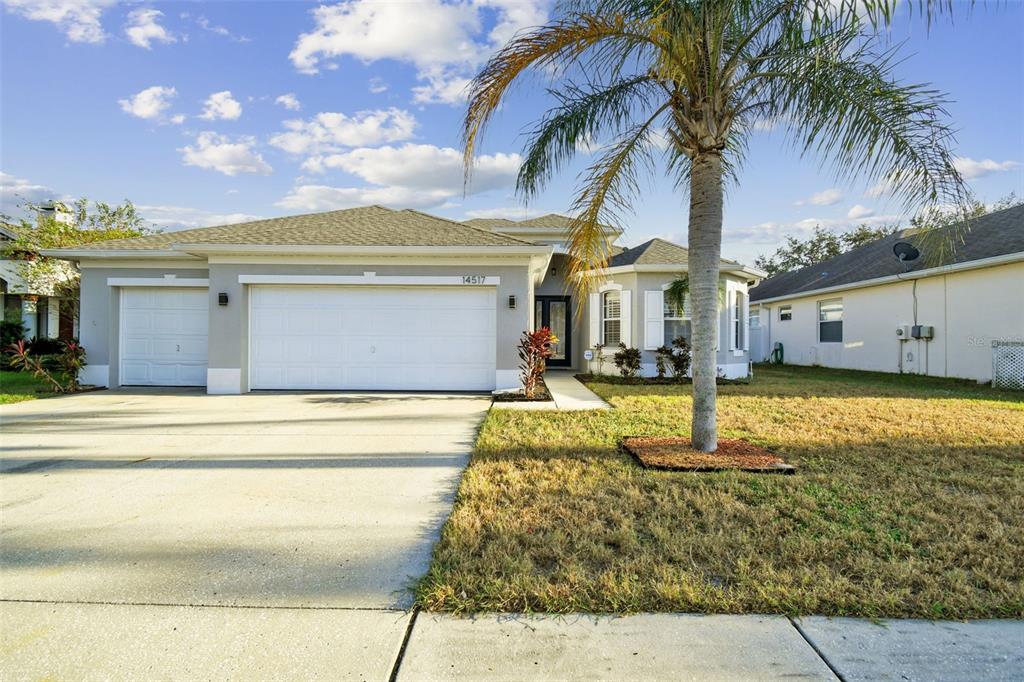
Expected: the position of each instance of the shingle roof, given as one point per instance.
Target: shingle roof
(551, 220)
(995, 234)
(365, 226)
(656, 252)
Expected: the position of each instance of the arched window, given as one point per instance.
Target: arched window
(611, 317)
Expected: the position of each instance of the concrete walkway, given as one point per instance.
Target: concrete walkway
(567, 393)
(717, 647)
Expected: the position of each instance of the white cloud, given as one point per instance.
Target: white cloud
(172, 218)
(446, 41)
(150, 103)
(774, 232)
(422, 166)
(79, 20)
(510, 213)
(326, 198)
(220, 153)
(221, 105)
(378, 85)
(177, 119)
(143, 28)
(859, 211)
(442, 86)
(289, 101)
(971, 169)
(328, 131)
(14, 192)
(205, 24)
(826, 197)
(413, 175)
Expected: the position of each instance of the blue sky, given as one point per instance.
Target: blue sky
(206, 113)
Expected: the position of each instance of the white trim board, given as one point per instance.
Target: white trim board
(166, 281)
(372, 279)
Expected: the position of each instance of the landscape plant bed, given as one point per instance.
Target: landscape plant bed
(650, 381)
(541, 395)
(675, 454)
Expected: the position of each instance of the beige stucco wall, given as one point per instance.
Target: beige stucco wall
(99, 319)
(968, 309)
(228, 328)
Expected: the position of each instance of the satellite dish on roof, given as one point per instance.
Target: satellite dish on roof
(905, 251)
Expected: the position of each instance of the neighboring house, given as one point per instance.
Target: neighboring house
(857, 310)
(366, 298)
(38, 310)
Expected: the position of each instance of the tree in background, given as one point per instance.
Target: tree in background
(681, 85)
(823, 245)
(819, 247)
(62, 226)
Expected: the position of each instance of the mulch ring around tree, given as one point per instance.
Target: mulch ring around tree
(675, 454)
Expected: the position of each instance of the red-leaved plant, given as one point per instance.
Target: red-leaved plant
(534, 351)
(70, 361)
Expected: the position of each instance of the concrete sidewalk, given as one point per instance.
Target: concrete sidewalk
(716, 647)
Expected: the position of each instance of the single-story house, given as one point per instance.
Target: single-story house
(867, 309)
(39, 311)
(370, 299)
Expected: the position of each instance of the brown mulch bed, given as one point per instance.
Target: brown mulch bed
(675, 454)
(539, 396)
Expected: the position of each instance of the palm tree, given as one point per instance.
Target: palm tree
(684, 83)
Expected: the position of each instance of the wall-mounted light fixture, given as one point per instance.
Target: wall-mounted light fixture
(222, 298)
(554, 271)
(512, 302)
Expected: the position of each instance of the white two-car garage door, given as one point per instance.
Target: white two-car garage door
(163, 339)
(372, 338)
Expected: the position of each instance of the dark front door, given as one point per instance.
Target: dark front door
(554, 312)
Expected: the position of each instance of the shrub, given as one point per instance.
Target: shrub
(534, 351)
(627, 360)
(45, 346)
(61, 370)
(676, 357)
(11, 331)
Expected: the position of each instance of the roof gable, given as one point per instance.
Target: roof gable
(995, 234)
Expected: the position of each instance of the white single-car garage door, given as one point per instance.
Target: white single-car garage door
(372, 338)
(164, 334)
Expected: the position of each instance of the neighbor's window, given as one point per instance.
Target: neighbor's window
(755, 319)
(785, 313)
(737, 321)
(830, 321)
(611, 317)
(677, 322)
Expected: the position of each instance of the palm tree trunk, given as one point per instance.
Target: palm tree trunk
(705, 245)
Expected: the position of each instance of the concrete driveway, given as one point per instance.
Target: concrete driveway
(219, 536)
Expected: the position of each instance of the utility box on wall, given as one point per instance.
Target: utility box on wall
(922, 331)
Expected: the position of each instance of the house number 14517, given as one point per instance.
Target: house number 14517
(473, 279)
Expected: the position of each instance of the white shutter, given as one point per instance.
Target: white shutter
(730, 297)
(746, 322)
(626, 325)
(595, 319)
(654, 319)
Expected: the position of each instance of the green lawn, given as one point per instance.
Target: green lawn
(18, 386)
(909, 501)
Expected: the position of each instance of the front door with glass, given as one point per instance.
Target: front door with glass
(554, 312)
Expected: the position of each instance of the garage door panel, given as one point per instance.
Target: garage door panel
(372, 338)
(164, 339)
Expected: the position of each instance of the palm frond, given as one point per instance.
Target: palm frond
(555, 45)
(582, 116)
(609, 187)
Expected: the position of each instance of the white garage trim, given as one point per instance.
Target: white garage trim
(373, 279)
(167, 281)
